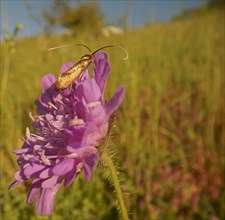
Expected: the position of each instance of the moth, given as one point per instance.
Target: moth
(66, 79)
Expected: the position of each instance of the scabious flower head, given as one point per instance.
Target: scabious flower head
(70, 125)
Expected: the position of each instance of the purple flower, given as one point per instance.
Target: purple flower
(70, 125)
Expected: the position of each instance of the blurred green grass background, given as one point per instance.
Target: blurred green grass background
(169, 134)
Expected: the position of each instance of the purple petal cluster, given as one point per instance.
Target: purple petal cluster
(70, 124)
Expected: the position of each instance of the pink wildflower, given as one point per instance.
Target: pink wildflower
(69, 125)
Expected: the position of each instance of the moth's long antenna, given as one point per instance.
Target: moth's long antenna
(68, 45)
(125, 58)
(84, 46)
(65, 45)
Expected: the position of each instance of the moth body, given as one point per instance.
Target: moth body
(67, 78)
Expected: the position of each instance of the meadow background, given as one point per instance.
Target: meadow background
(169, 131)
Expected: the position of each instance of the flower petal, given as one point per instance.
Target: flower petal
(47, 81)
(102, 69)
(98, 56)
(45, 173)
(89, 90)
(63, 167)
(45, 200)
(89, 162)
(15, 183)
(20, 176)
(69, 177)
(33, 170)
(116, 100)
(92, 136)
(33, 191)
(50, 182)
(97, 114)
(32, 194)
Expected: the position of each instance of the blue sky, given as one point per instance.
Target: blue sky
(141, 11)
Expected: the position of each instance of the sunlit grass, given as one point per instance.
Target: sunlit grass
(169, 131)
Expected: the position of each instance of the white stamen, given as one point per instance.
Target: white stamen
(74, 155)
(27, 133)
(50, 104)
(76, 121)
(60, 101)
(28, 157)
(79, 167)
(30, 115)
(38, 137)
(23, 138)
(50, 147)
(41, 117)
(37, 147)
(44, 158)
(93, 104)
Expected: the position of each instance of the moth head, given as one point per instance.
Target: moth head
(87, 57)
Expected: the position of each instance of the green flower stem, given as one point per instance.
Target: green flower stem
(116, 183)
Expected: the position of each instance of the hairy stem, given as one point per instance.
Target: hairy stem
(116, 184)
